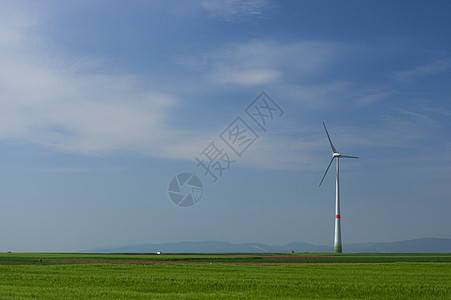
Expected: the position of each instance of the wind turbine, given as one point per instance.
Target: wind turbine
(337, 155)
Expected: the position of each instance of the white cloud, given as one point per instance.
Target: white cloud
(14, 24)
(306, 148)
(65, 103)
(245, 77)
(236, 10)
(440, 110)
(266, 62)
(332, 95)
(431, 69)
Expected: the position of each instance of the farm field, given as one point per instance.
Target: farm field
(224, 276)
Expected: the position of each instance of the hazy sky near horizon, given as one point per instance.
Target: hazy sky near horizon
(102, 103)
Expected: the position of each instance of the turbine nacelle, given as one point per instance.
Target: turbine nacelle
(336, 154)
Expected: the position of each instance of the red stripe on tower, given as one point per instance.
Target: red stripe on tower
(337, 216)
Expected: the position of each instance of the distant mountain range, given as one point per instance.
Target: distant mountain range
(423, 245)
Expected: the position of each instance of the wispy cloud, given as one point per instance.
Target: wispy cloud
(306, 148)
(247, 77)
(434, 68)
(333, 94)
(70, 104)
(266, 61)
(237, 10)
(80, 170)
(440, 110)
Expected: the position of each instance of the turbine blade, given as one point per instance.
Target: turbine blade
(326, 171)
(330, 142)
(347, 156)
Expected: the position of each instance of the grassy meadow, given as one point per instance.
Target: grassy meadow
(253, 276)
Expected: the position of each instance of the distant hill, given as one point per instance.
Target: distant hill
(424, 245)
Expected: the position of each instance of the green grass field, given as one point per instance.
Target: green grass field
(97, 276)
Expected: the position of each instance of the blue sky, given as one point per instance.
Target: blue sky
(102, 103)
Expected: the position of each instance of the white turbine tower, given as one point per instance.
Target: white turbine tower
(337, 155)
